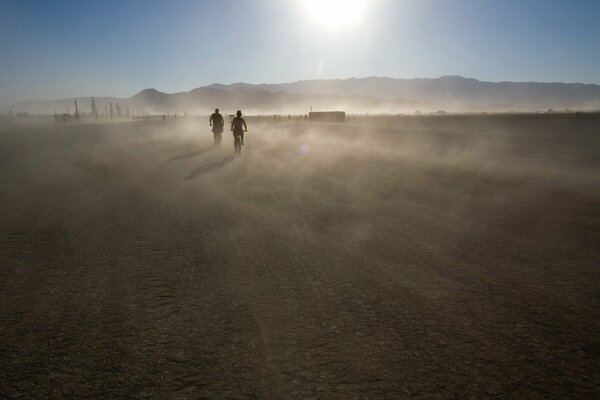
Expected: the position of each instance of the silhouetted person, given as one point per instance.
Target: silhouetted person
(236, 126)
(216, 121)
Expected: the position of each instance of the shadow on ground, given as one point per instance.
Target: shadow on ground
(192, 154)
(205, 169)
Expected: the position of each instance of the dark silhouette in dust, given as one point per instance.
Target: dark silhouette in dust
(238, 126)
(216, 121)
(94, 109)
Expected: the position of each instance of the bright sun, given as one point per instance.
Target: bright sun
(337, 14)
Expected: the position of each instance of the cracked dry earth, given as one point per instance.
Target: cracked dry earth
(429, 258)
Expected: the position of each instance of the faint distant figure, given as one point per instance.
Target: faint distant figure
(94, 109)
(217, 123)
(238, 126)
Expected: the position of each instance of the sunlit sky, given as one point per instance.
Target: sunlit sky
(59, 49)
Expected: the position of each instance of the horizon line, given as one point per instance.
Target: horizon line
(293, 82)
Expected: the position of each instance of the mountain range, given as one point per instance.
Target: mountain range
(373, 94)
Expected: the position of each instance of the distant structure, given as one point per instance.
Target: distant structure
(94, 109)
(76, 111)
(118, 110)
(327, 116)
(110, 109)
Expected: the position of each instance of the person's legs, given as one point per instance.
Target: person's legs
(217, 137)
(237, 144)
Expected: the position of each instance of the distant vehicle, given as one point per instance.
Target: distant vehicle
(327, 116)
(143, 119)
(63, 117)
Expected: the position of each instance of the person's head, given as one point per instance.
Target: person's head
(238, 113)
(216, 110)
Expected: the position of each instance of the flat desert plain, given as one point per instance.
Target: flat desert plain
(429, 257)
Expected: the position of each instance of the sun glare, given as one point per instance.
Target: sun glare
(337, 14)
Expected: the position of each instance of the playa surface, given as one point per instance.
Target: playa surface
(388, 257)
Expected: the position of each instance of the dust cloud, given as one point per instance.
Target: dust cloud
(381, 257)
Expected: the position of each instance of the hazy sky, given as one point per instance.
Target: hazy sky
(55, 49)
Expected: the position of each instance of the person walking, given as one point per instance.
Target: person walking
(217, 122)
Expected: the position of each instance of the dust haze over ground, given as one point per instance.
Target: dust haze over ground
(387, 257)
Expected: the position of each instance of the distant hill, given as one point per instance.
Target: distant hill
(449, 92)
(205, 99)
(374, 94)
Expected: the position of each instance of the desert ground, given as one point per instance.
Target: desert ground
(426, 257)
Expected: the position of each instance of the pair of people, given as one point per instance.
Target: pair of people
(238, 127)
